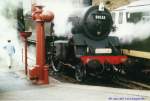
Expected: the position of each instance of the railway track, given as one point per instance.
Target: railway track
(122, 81)
(117, 81)
(63, 77)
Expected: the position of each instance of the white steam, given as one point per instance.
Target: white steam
(61, 9)
(8, 31)
(129, 32)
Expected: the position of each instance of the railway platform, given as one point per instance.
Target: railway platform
(15, 86)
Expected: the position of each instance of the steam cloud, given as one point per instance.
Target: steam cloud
(61, 9)
(130, 32)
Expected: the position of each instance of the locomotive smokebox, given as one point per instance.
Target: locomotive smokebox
(92, 21)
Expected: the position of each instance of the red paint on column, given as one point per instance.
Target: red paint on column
(40, 70)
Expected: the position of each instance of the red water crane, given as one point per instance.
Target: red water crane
(39, 72)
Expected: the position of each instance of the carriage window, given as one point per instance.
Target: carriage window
(128, 15)
(120, 20)
(113, 16)
(134, 17)
(146, 18)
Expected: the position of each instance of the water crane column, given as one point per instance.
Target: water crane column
(39, 72)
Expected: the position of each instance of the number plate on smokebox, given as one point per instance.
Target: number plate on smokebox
(103, 50)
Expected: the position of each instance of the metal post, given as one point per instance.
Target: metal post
(26, 57)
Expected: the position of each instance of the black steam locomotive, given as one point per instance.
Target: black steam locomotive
(90, 51)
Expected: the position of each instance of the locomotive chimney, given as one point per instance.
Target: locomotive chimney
(101, 6)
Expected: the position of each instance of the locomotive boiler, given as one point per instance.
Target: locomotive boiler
(90, 50)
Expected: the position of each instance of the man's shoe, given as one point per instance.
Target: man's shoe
(9, 67)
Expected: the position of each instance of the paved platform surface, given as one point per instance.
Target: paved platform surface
(15, 86)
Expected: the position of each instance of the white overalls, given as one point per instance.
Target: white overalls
(11, 51)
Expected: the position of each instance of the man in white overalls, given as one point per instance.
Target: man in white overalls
(11, 51)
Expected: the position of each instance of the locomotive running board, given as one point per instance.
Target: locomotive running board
(135, 53)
